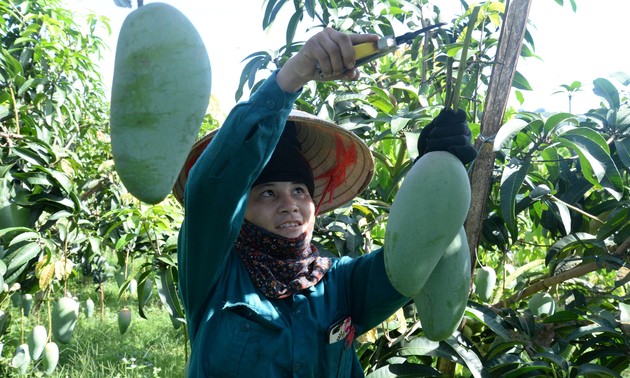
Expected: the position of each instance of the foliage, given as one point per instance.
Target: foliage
(557, 210)
(150, 348)
(556, 218)
(63, 211)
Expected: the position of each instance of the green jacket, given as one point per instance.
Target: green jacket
(234, 330)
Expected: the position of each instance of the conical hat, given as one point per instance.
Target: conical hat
(341, 162)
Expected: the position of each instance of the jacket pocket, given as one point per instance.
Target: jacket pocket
(338, 359)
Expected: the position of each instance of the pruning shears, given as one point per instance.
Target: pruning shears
(366, 52)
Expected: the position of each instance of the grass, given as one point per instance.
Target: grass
(151, 347)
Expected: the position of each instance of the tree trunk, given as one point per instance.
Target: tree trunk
(508, 52)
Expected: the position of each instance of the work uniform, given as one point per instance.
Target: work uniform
(234, 330)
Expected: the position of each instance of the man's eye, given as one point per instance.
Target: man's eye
(267, 193)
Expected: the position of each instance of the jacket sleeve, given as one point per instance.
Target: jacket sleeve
(371, 297)
(217, 189)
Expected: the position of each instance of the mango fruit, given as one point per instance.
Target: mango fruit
(426, 215)
(37, 341)
(442, 301)
(542, 304)
(160, 95)
(89, 308)
(124, 320)
(50, 358)
(27, 303)
(485, 281)
(21, 359)
(64, 315)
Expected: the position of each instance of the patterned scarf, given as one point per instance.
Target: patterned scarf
(279, 266)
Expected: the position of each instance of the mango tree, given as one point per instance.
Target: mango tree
(64, 215)
(555, 218)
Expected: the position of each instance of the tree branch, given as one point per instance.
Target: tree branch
(503, 70)
(622, 252)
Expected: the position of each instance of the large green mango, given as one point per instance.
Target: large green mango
(160, 95)
(63, 318)
(443, 299)
(428, 211)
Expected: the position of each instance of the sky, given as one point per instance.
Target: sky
(572, 46)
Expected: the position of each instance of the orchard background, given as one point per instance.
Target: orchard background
(549, 228)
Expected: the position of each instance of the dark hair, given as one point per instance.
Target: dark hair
(287, 162)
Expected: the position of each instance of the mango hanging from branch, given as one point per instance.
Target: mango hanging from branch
(160, 94)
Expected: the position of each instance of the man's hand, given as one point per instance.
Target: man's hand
(449, 132)
(328, 55)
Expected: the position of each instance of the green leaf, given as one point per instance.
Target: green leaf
(511, 182)
(25, 236)
(25, 86)
(23, 255)
(60, 178)
(291, 28)
(594, 154)
(470, 358)
(606, 90)
(489, 318)
(623, 150)
(399, 123)
(594, 370)
(556, 359)
(168, 293)
(380, 100)
(142, 282)
(574, 241)
(271, 11)
(309, 7)
(557, 120)
(561, 211)
(624, 310)
(615, 222)
(507, 132)
(4, 112)
(405, 369)
(30, 156)
(520, 82)
(421, 346)
(532, 369)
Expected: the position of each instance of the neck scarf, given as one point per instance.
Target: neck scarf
(279, 267)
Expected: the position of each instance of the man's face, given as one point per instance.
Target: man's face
(284, 208)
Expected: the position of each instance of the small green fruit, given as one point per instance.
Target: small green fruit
(16, 300)
(542, 304)
(5, 320)
(21, 359)
(27, 303)
(37, 341)
(51, 357)
(89, 308)
(64, 317)
(124, 320)
(485, 280)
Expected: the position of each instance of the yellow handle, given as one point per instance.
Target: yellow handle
(366, 49)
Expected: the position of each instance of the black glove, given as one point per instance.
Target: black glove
(449, 132)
